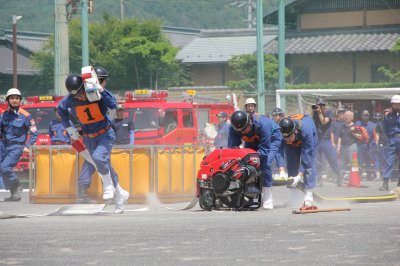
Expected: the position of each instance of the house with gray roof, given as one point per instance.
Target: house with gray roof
(27, 44)
(180, 37)
(208, 55)
(334, 41)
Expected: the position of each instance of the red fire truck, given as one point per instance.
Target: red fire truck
(158, 121)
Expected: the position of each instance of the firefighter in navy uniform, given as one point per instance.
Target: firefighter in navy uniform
(123, 127)
(391, 126)
(87, 171)
(300, 137)
(98, 135)
(277, 114)
(57, 132)
(221, 140)
(262, 135)
(15, 125)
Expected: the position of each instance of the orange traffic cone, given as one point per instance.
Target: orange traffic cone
(354, 180)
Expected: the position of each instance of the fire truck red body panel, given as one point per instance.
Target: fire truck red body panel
(158, 121)
(161, 122)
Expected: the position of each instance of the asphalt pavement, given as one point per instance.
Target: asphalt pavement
(368, 234)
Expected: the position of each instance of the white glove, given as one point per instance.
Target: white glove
(93, 89)
(73, 133)
(93, 84)
(296, 180)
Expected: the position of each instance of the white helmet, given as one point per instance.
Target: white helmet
(13, 91)
(250, 100)
(395, 99)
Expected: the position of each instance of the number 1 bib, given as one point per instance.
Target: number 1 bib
(89, 113)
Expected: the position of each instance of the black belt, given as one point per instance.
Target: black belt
(98, 133)
(15, 142)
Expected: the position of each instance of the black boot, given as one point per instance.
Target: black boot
(385, 186)
(15, 193)
(83, 198)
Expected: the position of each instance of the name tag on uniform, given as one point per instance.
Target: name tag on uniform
(124, 125)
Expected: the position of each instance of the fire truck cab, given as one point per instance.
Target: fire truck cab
(42, 109)
(160, 122)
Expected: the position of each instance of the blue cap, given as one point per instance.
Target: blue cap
(223, 114)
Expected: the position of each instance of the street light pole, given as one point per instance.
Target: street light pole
(15, 80)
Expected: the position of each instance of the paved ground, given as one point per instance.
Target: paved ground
(369, 234)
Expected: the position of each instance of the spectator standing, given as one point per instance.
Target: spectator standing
(347, 141)
(337, 127)
(364, 149)
(57, 132)
(250, 106)
(322, 121)
(123, 127)
(381, 143)
(221, 140)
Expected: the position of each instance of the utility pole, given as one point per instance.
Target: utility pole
(281, 50)
(122, 7)
(260, 58)
(250, 6)
(85, 33)
(15, 75)
(61, 47)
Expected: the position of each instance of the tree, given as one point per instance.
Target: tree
(245, 66)
(136, 54)
(392, 74)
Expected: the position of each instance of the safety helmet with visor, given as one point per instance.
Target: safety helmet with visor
(287, 126)
(101, 72)
(74, 84)
(240, 120)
